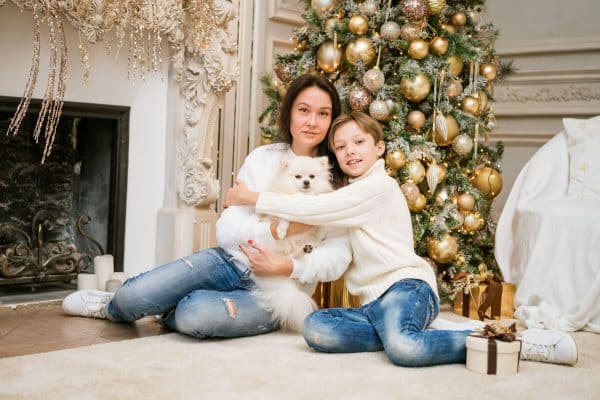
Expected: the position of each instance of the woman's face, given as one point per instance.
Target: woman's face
(310, 121)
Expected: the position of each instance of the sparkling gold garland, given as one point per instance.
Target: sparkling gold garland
(189, 25)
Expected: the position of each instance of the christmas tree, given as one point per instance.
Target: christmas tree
(425, 69)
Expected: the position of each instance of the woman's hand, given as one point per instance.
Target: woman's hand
(264, 263)
(240, 195)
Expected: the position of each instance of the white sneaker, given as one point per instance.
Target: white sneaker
(87, 303)
(548, 346)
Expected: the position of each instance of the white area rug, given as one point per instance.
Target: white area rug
(276, 366)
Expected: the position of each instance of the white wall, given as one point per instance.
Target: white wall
(108, 85)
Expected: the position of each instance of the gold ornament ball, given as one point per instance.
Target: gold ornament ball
(329, 57)
(410, 32)
(322, 6)
(442, 250)
(489, 71)
(462, 144)
(379, 110)
(373, 79)
(453, 131)
(465, 202)
(483, 100)
(369, 7)
(418, 49)
(436, 6)
(390, 30)
(459, 19)
(455, 65)
(473, 222)
(416, 171)
(361, 49)
(470, 105)
(416, 119)
(265, 140)
(449, 28)
(395, 159)
(358, 25)
(410, 191)
(419, 204)
(487, 180)
(438, 45)
(454, 88)
(415, 88)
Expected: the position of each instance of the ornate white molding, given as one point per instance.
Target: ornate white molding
(546, 94)
(286, 11)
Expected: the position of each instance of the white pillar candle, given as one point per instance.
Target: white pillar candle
(103, 267)
(87, 282)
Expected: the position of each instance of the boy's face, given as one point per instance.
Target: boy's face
(355, 150)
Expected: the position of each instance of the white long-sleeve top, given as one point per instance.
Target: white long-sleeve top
(374, 209)
(327, 262)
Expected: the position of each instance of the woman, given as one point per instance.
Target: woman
(207, 294)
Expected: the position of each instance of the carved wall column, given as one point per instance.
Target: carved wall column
(197, 87)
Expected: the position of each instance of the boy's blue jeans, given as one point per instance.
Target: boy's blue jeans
(201, 295)
(395, 323)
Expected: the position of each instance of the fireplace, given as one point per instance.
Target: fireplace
(45, 232)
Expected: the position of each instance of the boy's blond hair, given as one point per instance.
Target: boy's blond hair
(365, 122)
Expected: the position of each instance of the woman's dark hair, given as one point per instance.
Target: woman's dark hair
(285, 116)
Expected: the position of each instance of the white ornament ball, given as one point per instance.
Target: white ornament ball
(462, 144)
(369, 7)
(373, 79)
(390, 30)
(379, 110)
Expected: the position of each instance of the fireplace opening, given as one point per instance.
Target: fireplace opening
(55, 217)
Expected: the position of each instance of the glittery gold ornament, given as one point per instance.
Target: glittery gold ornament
(459, 19)
(438, 45)
(284, 72)
(416, 119)
(329, 57)
(454, 88)
(436, 6)
(415, 88)
(359, 99)
(358, 25)
(361, 49)
(462, 144)
(465, 202)
(473, 222)
(455, 65)
(369, 7)
(323, 6)
(411, 191)
(470, 105)
(410, 32)
(379, 110)
(445, 132)
(487, 180)
(489, 71)
(449, 28)
(442, 250)
(373, 79)
(418, 49)
(416, 171)
(418, 204)
(390, 30)
(414, 10)
(395, 159)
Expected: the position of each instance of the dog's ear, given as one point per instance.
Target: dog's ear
(324, 160)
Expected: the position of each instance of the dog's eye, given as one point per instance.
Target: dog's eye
(298, 176)
(311, 176)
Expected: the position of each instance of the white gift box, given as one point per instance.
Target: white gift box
(492, 356)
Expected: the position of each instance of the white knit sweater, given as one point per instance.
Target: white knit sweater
(238, 224)
(374, 209)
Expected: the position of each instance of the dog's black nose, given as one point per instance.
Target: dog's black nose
(306, 184)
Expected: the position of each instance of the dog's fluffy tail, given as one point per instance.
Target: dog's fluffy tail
(288, 303)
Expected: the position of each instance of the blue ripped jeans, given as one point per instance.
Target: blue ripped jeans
(394, 323)
(201, 295)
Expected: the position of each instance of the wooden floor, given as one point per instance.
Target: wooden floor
(43, 327)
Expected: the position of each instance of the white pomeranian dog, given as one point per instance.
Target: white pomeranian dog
(288, 300)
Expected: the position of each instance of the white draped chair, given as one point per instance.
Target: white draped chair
(548, 235)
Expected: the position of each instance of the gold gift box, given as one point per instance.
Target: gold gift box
(500, 307)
